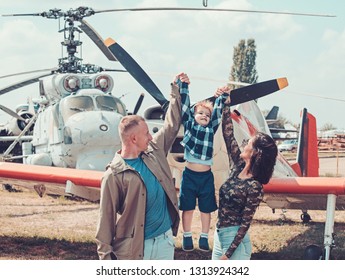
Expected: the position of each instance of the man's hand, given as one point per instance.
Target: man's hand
(221, 90)
(183, 78)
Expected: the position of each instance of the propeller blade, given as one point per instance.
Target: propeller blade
(113, 70)
(136, 71)
(22, 15)
(254, 91)
(29, 72)
(82, 12)
(138, 105)
(212, 10)
(11, 113)
(96, 38)
(22, 83)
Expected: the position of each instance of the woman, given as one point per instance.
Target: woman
(242, 192)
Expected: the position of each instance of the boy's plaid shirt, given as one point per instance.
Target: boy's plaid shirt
(198, 139)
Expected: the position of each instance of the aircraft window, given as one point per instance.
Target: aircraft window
(76, 104)
(110, 103)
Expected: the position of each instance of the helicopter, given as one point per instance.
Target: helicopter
(76, 106)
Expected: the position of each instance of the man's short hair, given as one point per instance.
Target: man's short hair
(128, 122)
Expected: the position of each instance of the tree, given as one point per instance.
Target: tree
(327, 126)
(244, 62)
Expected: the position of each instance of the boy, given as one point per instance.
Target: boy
(200, 125)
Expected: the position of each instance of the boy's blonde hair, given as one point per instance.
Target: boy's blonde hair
(206, 104)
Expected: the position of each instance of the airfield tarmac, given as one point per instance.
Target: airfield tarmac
(47, 228)
(333, 166)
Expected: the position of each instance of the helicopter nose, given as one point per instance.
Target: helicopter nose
(103, 127)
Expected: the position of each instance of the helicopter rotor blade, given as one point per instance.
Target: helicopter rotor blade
(29, 72)
(138, 105)
(113, 70)
(136, 71)
(23, 15)
(211, 10)
(11, 113)
(96, 38)
(23, 83)
(57, 13)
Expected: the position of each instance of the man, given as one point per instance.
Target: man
(138, 187)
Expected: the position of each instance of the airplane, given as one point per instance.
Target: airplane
(272, 115)
(279, 131)
(64, 153)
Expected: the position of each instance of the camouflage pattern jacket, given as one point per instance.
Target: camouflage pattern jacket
(238, 198)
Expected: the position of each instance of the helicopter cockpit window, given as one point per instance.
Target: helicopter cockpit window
(76, 104)
(110, 103)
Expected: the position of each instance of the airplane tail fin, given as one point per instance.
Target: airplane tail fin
(307, 153)
(273, 114)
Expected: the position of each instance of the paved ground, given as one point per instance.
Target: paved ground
(332, 166)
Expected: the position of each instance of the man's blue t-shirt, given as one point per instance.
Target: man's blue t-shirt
(157, 218)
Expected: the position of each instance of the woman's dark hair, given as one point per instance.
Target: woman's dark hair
(264, 157)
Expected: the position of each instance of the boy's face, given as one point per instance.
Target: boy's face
(202, 115)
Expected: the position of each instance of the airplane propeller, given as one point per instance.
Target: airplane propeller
(12, 113)
(136, 71)
(22, 120)
(138, 105)
(114, 52)
(254, 91)
(96, 38)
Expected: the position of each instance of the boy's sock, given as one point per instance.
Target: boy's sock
(187, 234)
(204, 235)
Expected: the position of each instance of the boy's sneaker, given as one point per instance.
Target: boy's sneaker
(187, 244)
(203, 244)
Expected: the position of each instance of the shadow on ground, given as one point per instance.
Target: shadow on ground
(36, 248)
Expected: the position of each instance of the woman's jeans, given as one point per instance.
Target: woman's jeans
(222, 240)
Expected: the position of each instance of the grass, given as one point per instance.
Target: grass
(51, 228)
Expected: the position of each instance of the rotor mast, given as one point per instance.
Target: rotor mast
(71, 63)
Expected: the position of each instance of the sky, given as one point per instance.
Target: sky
(309, 51)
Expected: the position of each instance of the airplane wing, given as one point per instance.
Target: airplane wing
(53, 180)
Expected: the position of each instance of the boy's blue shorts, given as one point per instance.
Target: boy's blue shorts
(197, 186)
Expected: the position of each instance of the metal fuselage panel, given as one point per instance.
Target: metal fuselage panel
(81, 131)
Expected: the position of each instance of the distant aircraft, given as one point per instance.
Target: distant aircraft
(279, 132)
(272, 115)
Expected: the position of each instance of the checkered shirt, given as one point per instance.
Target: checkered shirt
(198, 139)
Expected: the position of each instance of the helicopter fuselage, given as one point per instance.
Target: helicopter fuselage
(79, 130)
